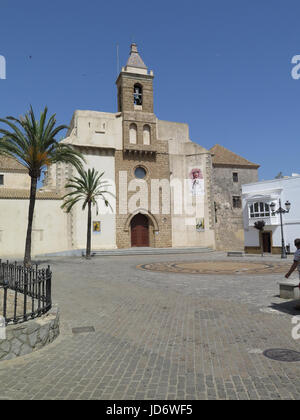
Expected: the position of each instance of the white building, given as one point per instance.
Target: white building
(257, 198)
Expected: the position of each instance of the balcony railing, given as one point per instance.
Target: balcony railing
(269, 220)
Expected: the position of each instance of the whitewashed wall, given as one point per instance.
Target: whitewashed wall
(106, 239)
(15, 180)
(284, 189)
(49, 227)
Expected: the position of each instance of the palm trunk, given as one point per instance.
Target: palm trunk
(27, 257)
(88, 244)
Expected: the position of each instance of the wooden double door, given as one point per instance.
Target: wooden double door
(140, 231)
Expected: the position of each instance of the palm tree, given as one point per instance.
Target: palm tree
(88, 187)
(33, 144)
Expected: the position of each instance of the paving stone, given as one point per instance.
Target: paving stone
(160, 335)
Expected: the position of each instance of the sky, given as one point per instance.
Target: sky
(222, 66)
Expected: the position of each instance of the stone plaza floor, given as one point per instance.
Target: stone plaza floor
(162, 334)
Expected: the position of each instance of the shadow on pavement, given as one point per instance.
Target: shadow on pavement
(291, 307)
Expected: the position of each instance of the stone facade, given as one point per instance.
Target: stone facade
(230, 172)
(152, 156)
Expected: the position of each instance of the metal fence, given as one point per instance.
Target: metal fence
(25, 293)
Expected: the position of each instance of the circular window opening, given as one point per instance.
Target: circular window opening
(140, 173)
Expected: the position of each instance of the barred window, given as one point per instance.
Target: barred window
(235, 177)
(236, 202)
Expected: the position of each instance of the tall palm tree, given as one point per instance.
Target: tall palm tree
(33, 144)
(87, 187)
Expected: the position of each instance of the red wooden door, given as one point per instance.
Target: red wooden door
(140, 231)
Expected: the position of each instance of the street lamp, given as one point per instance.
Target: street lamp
(281, 211)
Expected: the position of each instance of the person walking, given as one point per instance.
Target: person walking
(296, 263)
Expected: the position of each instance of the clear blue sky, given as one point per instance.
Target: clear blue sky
(222, 66)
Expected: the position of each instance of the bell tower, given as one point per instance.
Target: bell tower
(135, 102)
(135, 85)
(143, 158)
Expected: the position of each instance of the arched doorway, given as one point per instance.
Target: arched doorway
(140, 231)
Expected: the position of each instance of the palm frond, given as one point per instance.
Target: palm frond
(88, 186)
(33, 142)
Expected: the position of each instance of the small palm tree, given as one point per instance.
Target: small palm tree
(33, 144)
(88, 187)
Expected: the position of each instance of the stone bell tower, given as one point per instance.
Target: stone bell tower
(142, 158)
(135, 102)
(135, 85)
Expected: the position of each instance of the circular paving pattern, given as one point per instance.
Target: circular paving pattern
(217, 267)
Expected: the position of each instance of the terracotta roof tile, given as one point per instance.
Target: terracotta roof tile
(225, 157)
(10, 193)
(8, 163)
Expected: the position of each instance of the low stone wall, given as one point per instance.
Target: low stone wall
(25, 338)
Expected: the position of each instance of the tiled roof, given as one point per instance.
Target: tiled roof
(225, 157)
(8, 163)
(16, 194)
(135, 59)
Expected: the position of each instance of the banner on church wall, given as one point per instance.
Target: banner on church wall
(196, 182)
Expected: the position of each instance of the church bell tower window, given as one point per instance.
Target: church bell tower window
(147, 135)
(133, 134)
(138, 95)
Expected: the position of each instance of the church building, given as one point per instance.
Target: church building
(139, 152)
(161, 181)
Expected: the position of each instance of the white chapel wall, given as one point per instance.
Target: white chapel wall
(105, 239)
(15, 180)
(49, 233)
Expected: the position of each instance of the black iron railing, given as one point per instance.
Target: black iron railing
(25, 293)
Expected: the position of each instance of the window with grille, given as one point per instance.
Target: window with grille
(235, 177)
(259, 209)
(236, 202)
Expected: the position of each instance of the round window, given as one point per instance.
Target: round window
(140, 173)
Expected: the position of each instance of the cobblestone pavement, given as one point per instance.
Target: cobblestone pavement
(160, 335)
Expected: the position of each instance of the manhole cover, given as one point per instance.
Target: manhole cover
(282, 355)
(82, 330)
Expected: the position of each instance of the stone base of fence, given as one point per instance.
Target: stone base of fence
(25, 338)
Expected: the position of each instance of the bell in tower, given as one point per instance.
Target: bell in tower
(135, 85)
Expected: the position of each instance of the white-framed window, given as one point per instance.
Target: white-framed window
(259, 209)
